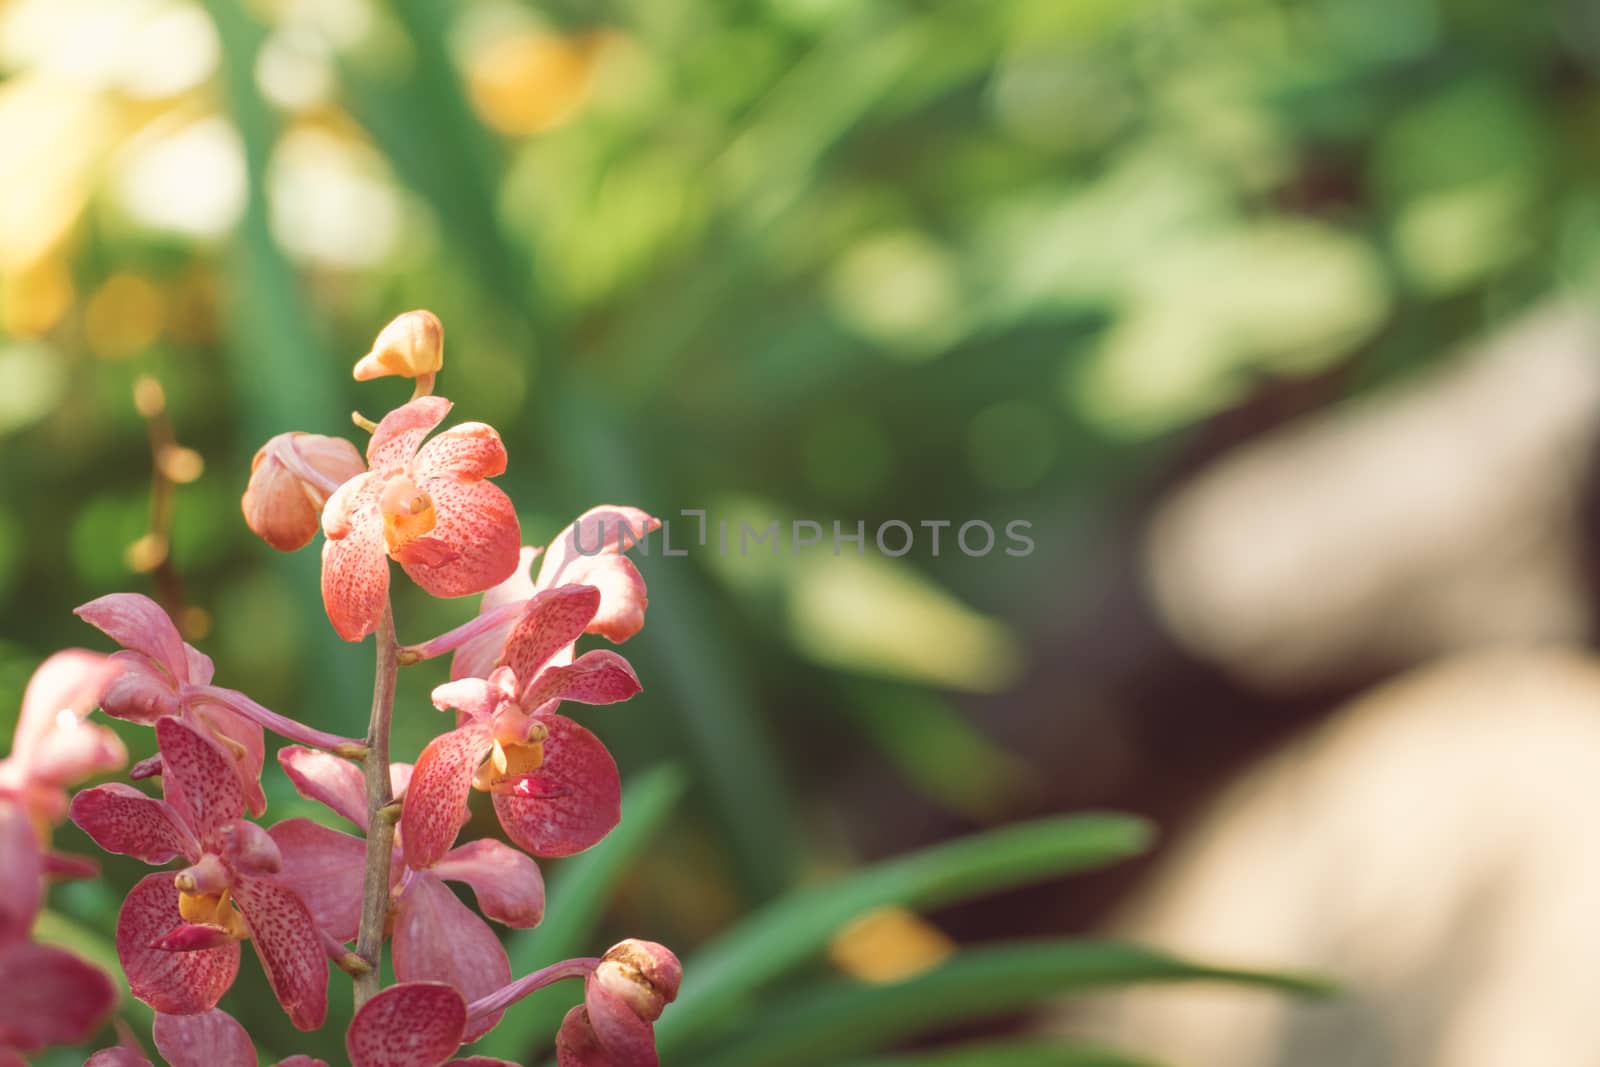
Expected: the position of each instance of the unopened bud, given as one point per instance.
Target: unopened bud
(291, 478)
(643, 974)
(410, 346)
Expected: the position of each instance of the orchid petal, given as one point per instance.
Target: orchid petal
(289, 946)
(436, 802)
(61, 692)
(507, 883)
(623, 596)
(554, 619)
(327, 868)
(395, 440)
(623, 1034)
(477, 697)
(217, 712)
(480, 1061)
(302, 1060)
(179, 983)
(250, 849)
(598, 677)
(476, 656)
(201, 781)
(438, 939)
(141, 692)
(68, 866)
(604, 530)
(210, 1039)
(123, 820)
(116, 1056)
(51, 996)
(333, 782)
(478, 522)
(574, 799)
(469, 451)
(355, 575)
(139, 624)
(194, 937)
(21, 875)
(413, 1024)
(577, 1045)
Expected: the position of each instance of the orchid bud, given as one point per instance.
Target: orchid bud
(291, 479)
(643, 974)
(411, 346)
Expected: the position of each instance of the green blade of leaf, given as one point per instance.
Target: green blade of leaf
(792, 930)
(574, 905)
(851, 1018)
(1027, 1052)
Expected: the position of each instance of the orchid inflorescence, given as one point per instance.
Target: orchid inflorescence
(299, 891)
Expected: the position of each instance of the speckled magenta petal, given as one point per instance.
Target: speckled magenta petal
(355, 577)
(573, 801)
(327, 779)
(414, 1024)
(290, 949)
(116, 1056)
(326, 868)
(72, 681)
(439, 939)
(399, 433)
(302, 1061)
(141, 691)
(124, 820)
(201, 781)
(623, 597)
(598, 677)
(468, 452)
(210, 1039)
(507, 883)
(577, 1045)
(477, 656)
(136, 622)
(51, 997)
(242, 736)
(623, 1034)
(436, 801)
(21, 872)
(554, 619)
(477, 520)
(480, 1061)
(179, 983)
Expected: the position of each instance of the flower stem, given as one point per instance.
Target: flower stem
(380, 830)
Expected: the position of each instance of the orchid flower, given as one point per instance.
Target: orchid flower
(588, 552)
(555, 787)
(178, 937)
(429, 508)
(209, 1039)
(291, 479)
(162, 675)
(421, 1024)
(436, 937)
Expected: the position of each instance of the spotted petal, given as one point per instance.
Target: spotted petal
(51, 997)
(436, 802)
(399, 433)
(201, 781)
(290, 948)
(477, 522)
(507, 883)
(469, 451)
(573, 800)
(555, 618)
(326, 868)
(179, 983)
(209, 1039)
(355, 568)
(438, 939)
(597, 677)
(124, 820)
(413, 1024)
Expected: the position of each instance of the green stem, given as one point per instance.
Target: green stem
(380, 829)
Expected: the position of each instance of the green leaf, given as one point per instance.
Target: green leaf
(1035, 1052)
(849, 1018)
(793, 929)
(574, 905)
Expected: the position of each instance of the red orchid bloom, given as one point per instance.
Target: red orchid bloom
(588, 552)
(210, 1039)
(178, 937)
(421, 1024)
(436, 937)
(430, 508)
(163, 676)
(555, 787)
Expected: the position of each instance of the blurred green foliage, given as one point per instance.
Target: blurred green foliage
(774, 259)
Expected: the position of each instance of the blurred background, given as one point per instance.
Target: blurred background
(1273, 319)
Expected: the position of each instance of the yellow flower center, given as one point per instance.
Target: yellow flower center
(213, 909)
(407, 512)
(509, 761)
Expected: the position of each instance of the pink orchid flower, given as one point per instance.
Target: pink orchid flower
(428, 507)
(436, 937)
(588, 552)
(421, 1024)
(51, 998)
(209, 1039)
(555, 787)
(178, 937)
(162, 676)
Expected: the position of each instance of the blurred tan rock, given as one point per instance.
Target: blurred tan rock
(1434, 517)
(1433, 847)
